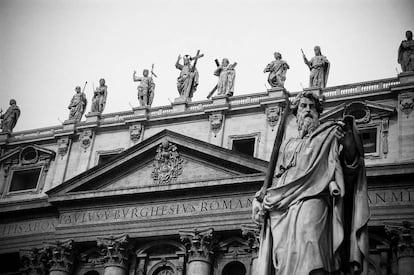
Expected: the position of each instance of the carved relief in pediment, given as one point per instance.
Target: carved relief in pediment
(168, 164)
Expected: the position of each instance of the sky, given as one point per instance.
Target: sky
(50, 46)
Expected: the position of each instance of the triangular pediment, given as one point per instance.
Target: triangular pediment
(363, 111)
(27, 155)
(167, 158)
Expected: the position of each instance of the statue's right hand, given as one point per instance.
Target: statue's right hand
(257, 211)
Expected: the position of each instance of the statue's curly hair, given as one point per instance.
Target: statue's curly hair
(312, 96)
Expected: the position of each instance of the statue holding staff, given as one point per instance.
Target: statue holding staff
(277, 71)
(406, 53)
(78, 104)
(319, 69)
(314, 201)
(146, 87)
(10, 117)
(187, 81)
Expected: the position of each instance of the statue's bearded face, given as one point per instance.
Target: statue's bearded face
(307, 117)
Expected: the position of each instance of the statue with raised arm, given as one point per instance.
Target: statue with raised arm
(406, 53)
(314, 206)
(187, 81)
(145, 89)
(277, 71)
(319, 69)
(99, 97)
(10, 117)
(77, 105)
(226, 73)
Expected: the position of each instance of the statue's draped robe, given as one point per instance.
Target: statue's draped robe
(99, 99)
(406, 55)
(187, 81)
(319, 66)
(305, 229)
(277, 73)
(9, 119)
(225, 85)
(77, 106)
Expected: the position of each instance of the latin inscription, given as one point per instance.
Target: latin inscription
(27, 228)
(390, 197)
(186, 208)
(132, 213)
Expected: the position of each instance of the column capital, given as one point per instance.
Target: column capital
(115, 250)
(34, 261)
(61, 255)
(198, 244)
(402, 238)
(252, 233)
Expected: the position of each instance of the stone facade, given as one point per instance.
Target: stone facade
(84, 198)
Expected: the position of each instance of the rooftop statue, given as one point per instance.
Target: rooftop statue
(10, 117)
(314, 209)
(406, 53)
(187, 81)
(319, 69)
(78, 104)
(277, 71)
(99, 97)
(146, 87)
(226, 73)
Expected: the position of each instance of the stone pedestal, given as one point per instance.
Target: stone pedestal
(276, 92)
(199, 250)
(406, 77)
(93, 117)
(116, 254)
(220, 100)
(179, 106)
(61, 257)
(141, 111)
(402, 239)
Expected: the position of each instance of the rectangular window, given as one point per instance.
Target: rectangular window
(25, 179)
(245, 146)
(105, 158)
(369, 140)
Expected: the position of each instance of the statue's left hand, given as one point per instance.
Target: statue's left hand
(345, 137)
(257, 211)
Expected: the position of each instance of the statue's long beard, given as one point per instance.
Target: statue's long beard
(306, 125)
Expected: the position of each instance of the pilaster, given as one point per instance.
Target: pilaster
(251, 232)
(402, 240)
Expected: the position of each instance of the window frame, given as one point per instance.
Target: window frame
(256, 137)
(377, 127)
(107, 152)
(39, 183)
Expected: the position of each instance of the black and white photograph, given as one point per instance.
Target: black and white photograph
(190, 137)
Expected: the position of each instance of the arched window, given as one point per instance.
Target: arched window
(234, 268)
(164, 270)
(91, 272)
